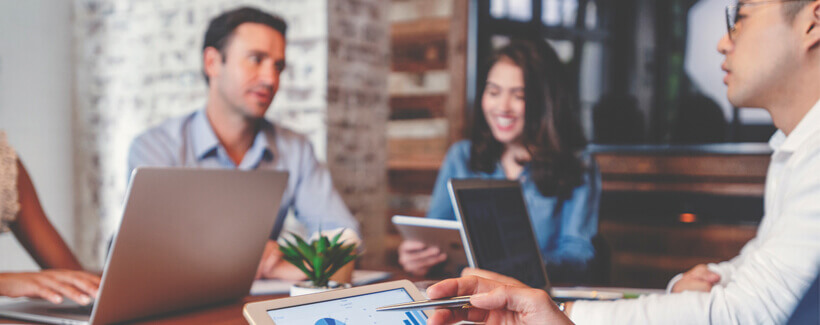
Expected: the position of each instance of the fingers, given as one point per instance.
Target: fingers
(33, 289)
(515, 299)
(87, 283)
(411, 245)
(461, 287)
(699, 278)
(418, 261)
(443, 316)
(285, 271)
(60, 283)
(702, 272)
(265, 266)
(270, 258)
(452, 316)
(692, 285)
(492, 276)
(495, 302)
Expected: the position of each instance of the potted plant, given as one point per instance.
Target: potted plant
(319, 260)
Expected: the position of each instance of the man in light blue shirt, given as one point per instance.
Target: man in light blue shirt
(243, 57)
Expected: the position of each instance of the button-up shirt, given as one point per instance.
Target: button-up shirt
(190, 141)
(763, 284)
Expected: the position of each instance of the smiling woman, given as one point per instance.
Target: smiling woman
(527, 130)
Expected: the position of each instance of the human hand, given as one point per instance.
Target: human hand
(417, 258)
(495, 303)
(699, 278)
(273, 266)
(51, 285)
(468, 271)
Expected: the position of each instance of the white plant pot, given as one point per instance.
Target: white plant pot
(306, 287)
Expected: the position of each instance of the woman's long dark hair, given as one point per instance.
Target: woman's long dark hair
(552, 132)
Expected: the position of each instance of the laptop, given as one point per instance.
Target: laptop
(496, 229)
(188, 238)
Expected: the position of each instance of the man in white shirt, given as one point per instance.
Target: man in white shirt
(772, 60)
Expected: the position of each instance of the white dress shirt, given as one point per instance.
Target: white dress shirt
(764, 283)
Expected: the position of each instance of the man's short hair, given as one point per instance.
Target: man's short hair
(792, 8)
(221, 28)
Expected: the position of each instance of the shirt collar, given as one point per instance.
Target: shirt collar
(807, 126)
(206, 144)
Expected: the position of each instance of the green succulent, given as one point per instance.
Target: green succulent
(320, 259)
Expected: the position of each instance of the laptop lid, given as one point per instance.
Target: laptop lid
(188, 237)
(496, 229)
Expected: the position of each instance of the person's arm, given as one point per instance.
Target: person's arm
(579, 223)
(35, 233)
(703, 276)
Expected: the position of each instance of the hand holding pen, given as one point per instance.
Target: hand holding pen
(494, 302)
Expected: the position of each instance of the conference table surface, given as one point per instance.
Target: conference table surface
(227, 313)
(231, 313)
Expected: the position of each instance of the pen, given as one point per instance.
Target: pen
(454, 302)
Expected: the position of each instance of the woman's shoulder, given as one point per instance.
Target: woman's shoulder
(9, 205)
(460, 149)
(8, 158)
(458, 157)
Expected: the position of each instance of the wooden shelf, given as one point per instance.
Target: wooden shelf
(420, 30)
(423, 164)
(737, 175)
(420, 45)
(423, 106)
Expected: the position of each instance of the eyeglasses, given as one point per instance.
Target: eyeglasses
(732, 12)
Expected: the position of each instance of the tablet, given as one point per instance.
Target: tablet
(339, 307)
(496, 229)
(436, 232)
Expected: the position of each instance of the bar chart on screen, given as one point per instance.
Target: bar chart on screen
(414, 318)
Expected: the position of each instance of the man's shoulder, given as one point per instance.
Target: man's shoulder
(169, 134)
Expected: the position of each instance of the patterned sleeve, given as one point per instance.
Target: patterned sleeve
(9, 205)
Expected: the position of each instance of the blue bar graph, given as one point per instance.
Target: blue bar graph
(420, 317)
(411, 317)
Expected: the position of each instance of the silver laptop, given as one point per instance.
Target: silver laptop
(188, 238)
(496, 229)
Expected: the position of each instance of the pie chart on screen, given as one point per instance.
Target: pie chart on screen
(329, 321)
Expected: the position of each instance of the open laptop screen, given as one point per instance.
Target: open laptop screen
(498, 230)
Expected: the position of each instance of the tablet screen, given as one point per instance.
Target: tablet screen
(501, 236)
(352, 310)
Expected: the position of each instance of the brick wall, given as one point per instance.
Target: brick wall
(358, 66)
(139, 62)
